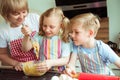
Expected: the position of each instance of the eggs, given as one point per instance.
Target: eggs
(63, 77)
(55, 78)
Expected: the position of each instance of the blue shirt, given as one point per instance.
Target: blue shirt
(106, 54)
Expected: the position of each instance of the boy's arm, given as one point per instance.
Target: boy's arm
(70, 68)
(72, 60)
(117, 63)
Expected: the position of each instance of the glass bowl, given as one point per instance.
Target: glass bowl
(29, 68)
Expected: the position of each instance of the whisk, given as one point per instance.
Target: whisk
(35, 44)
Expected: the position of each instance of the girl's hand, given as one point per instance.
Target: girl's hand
(18, 66)
(43, 66)
(48, 64)
(26, 30)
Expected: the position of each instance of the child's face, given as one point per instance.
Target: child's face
(17, 18)
(78, 34)
(51, 26)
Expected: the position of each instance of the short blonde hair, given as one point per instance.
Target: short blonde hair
(9, 6)
(88, 21)
(56, 11)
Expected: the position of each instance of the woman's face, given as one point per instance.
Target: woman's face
(17, 18)
(78, 34)
(51, 26)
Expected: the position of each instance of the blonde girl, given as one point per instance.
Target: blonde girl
(94, 55)
(53, 40)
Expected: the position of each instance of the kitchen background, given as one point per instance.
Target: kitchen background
(113, 14)
(113, 10)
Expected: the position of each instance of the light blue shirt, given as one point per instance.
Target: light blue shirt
(106, 54)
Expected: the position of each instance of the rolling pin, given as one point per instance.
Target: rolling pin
(89, 76)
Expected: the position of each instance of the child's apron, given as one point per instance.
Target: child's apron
(92, 63)
(18, 54)
(52, 50)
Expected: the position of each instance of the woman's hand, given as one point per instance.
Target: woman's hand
(26, 30)
(18, 66)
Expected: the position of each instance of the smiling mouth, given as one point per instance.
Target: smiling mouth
(74, 41)
(47, 34)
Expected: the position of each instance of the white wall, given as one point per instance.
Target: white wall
(113, 7)
(40, 5)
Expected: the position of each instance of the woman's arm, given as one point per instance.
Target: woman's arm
(26, 43)
(4, 57)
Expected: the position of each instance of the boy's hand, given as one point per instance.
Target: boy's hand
(70, 71)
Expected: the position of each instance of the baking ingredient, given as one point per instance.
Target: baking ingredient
(29, 68)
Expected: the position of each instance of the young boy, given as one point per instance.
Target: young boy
(94, 55)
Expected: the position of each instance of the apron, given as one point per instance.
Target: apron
(52, 50)
(18, 54)
(92, 63)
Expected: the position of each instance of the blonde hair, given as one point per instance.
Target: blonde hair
(9, 6)
(64, 20)
(88, 21)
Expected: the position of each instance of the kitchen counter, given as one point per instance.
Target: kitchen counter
(10, 74)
